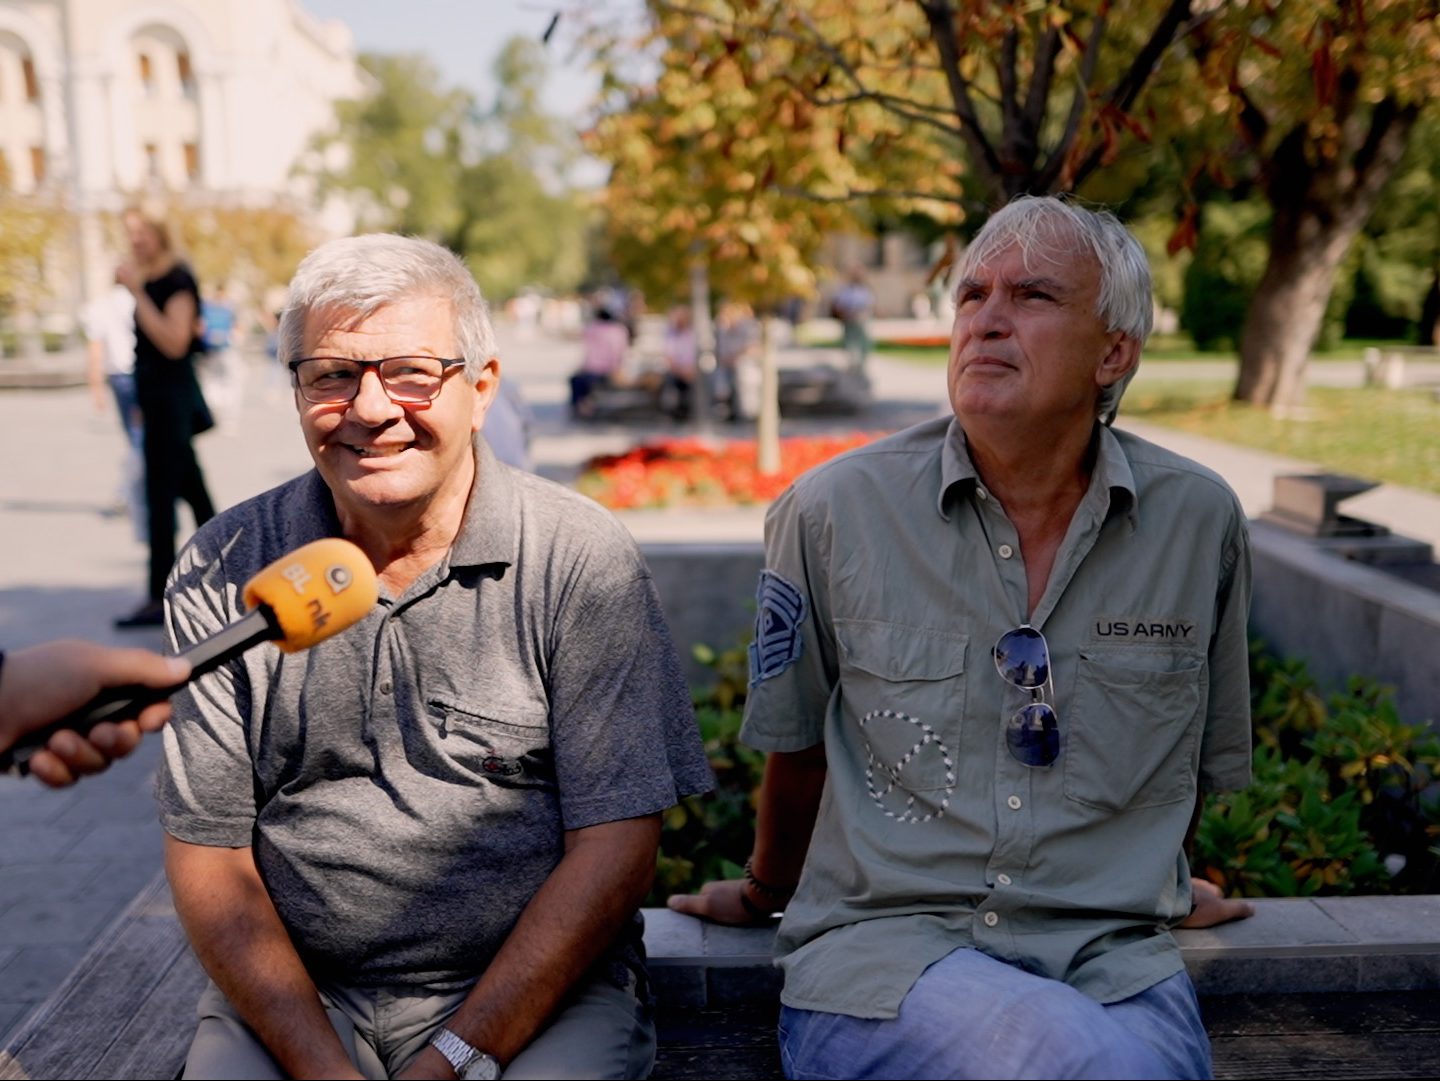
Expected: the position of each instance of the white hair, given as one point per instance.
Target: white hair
(362, 274)
(1042, 226)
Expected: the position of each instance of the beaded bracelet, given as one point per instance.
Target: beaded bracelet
(764, 889)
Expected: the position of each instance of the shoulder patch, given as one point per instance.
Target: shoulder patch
(780, 609)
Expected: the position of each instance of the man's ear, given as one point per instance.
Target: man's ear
(486, 387)
(1119, 362)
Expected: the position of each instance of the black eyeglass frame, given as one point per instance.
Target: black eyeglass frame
(1032, 732)
(446, 363)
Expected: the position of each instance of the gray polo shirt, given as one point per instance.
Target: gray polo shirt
(406, 785)
(892, 573)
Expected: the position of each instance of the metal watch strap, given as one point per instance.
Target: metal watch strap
(460, 1054)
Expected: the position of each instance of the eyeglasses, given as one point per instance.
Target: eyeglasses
(407, 380)
(1022, 658)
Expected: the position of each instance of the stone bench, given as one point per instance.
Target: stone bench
(1336, 987)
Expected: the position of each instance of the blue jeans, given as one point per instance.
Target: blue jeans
(127, 403)
(971, 1016)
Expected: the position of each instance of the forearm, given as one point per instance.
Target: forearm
(577, 913)
(785, 818)
(237, 934)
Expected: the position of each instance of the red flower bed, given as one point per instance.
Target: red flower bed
(925, 341)
(690, 472)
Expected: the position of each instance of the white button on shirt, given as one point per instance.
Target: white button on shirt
(1014, 803)
(991, 919)
(1005, 551)
(1003, 879)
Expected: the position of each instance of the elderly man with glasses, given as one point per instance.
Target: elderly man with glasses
(998, 657)
(418, 848)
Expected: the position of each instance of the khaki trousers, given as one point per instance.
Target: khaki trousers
(601, 1031)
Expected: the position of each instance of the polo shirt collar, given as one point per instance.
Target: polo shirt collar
(1112, 471)
(488, 531)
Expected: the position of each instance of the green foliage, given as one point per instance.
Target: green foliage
(30, 227)
(1342, 799)
(1228, 261)
(1400, 247)
(709, 837)
(415, 156)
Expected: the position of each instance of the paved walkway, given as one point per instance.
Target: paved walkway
(71, 860)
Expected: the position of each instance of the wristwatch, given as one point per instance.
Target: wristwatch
(468, 1063)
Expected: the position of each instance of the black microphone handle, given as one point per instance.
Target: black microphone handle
(123, 703)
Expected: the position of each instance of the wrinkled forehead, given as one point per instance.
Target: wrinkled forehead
(1038, 247)
(412, 312)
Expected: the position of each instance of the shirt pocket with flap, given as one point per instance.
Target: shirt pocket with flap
(512, 753)
(905, 688)
(1134, 727)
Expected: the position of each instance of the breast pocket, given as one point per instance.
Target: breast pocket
(513, 753)
(1134, 730)
(904, 687)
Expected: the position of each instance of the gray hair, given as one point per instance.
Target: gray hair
(362, 274)
(1043, 226)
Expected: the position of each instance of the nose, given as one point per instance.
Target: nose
(990, 318)
(371, 405)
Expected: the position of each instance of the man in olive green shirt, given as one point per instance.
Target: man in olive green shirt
(998, 658)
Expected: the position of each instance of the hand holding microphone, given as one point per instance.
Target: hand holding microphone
(298, 600)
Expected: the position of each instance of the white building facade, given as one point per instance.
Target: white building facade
(103, 101)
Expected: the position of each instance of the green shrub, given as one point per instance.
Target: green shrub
(1343, 798)
(709, 837)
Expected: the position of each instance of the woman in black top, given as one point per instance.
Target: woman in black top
(167, 309)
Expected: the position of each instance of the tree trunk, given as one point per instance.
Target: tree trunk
(704, 340)
(767, 425)
(1318, 203)
(1285, 314)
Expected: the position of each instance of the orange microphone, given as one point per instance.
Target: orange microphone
(301, 599)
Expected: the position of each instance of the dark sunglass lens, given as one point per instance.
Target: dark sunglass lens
(1033, 735)
(1022, 658)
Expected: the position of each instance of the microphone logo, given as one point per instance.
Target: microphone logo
(339, 577)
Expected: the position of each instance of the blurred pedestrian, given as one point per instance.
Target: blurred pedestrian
(603, 343)
(737, 352)
(221, 371)
(682, 362)
(167, 313)
(852, 305)
(108, 323)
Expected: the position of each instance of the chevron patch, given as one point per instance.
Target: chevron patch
(780, 611)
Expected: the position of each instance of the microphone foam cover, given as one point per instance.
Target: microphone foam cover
(315, 591)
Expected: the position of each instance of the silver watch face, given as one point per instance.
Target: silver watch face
(469, 1063)
(482, 1067)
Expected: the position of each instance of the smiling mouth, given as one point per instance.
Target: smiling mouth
(377, 452)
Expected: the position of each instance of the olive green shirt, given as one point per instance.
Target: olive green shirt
(904, 572)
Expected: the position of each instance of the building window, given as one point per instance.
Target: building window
(152, 161)
(32, 84)
(37, 164)
(186, 73)
(147, 74)
(192, 162)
